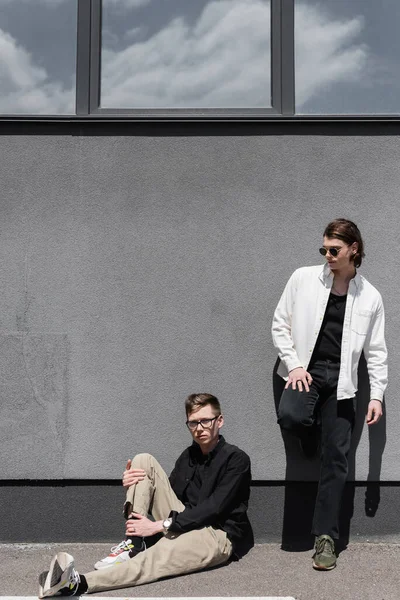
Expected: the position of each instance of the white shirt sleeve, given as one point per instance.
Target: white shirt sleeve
(375, 353)
(282, 326)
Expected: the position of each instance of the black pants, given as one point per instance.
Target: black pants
(300, 412)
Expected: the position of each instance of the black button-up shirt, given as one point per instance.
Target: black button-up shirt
(215, 490)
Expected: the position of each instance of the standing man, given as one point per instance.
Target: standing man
(326, 317)
(201, 510)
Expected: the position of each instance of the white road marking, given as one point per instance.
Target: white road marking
(175, 598)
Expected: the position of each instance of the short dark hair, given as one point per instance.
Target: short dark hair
(348, 232)
(196, 401)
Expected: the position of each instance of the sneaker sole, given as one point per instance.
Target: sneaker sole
(52, 584)
(321, 568)
(100, 565)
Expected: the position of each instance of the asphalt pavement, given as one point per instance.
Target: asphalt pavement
(365, 571)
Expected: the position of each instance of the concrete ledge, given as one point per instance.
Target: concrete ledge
(280, 512)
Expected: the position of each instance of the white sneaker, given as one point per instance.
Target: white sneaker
(119, 554)
(61, 579)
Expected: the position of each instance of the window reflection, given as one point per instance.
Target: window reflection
(180, 54)
(347, 56)
(37, 58)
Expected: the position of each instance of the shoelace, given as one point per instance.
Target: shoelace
(320, 545)
(73, 581)
(124, 545)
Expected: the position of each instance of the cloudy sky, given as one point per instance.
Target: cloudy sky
(203, 54)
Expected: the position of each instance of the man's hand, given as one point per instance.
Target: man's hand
(142, 526)
(374, 413)
(299, 377)
(132, 476)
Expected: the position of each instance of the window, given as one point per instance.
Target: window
(186, 55)
(197, 59)
(347, 55)
(37, 57)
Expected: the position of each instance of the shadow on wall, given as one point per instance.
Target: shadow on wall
(302, 473)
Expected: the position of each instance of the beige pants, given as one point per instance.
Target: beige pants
(171, 555)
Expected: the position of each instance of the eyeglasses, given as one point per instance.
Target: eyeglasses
(205, 423)
(332, 251)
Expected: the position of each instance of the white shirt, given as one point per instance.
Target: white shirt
(298, 319)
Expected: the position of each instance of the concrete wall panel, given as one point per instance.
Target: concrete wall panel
(140, 268)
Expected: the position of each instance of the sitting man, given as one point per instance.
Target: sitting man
(201, 509)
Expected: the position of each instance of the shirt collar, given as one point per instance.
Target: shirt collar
(326, 276)
(214, 451)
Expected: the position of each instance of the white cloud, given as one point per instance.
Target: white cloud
(25, 87)
(327, 52)
(214, 63)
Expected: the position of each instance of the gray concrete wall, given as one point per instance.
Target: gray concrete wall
(142, 264)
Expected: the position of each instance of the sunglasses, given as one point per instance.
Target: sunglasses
(332, 251)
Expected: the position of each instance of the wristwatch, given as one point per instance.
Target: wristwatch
(167, 524)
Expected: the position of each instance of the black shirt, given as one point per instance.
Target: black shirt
(215, 490)
(191, 494)
(329, 342)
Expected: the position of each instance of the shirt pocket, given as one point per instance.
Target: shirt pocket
(361, 321)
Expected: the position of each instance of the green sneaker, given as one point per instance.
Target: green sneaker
(324, 558)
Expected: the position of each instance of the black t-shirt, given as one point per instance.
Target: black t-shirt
(329, 342)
